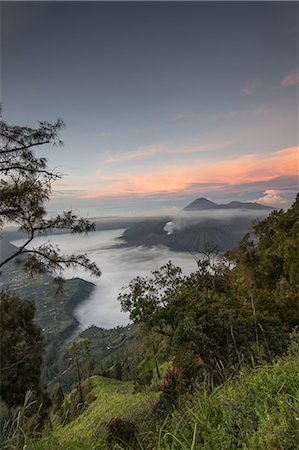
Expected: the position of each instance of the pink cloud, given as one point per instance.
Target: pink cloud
(275, 197)
(135, 154)
(290, 79)
(166, 149)
(249, 168)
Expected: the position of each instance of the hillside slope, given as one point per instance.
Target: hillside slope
(112, 399)
(54, 307)
(256, 411)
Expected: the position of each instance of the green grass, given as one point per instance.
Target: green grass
(259, 410)
(88, 431)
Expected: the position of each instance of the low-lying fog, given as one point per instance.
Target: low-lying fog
(118, 266)
(184, 219)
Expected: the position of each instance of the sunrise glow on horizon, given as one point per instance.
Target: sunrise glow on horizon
(163, 102)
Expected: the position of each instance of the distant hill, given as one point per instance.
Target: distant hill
(54, 307)
(203, 204)
(245, 205)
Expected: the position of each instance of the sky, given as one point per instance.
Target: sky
(163, 102)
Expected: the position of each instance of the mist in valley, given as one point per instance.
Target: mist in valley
(118, 267)
(120, 263)
(182, 220)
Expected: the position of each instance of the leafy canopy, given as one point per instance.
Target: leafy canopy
(22, 349)
(266, 268)
(242, 307)
(25, 188)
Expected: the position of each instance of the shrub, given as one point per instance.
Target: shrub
(120, 431)
(142, 379)
(172, 387)
(258, 410)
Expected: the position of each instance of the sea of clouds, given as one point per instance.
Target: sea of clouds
(118, 266)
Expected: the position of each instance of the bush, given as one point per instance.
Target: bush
(172, 387)
(142, 379)
(258, 410)
(120, 431)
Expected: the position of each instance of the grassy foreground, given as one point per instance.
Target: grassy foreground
(257, 411)
(88, 431)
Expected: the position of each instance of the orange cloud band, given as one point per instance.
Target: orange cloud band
(245, 169)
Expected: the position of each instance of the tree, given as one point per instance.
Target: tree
(149, 300)
(25, 188)
(21, 350)
(82, 363)
(198, 313)
(266, 268)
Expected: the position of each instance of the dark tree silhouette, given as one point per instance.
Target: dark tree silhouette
(21, 350)
(25, 188)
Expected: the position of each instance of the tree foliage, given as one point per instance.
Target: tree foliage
(196, 312)
(223, 314)
(266, 268)
(21, 350)
(25, 188)
(149, 299)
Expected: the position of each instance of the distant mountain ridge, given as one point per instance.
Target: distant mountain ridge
(203, 204)
(219, 225)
